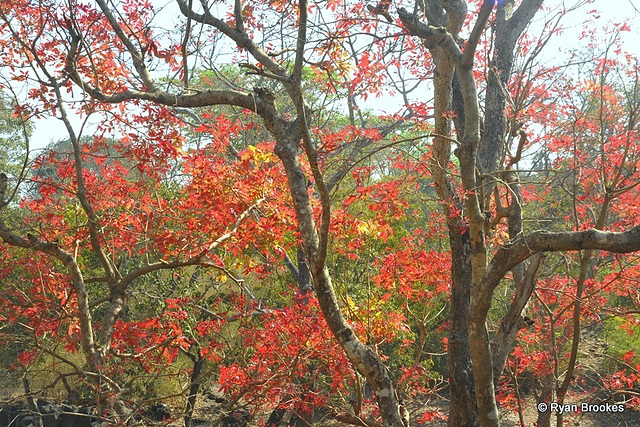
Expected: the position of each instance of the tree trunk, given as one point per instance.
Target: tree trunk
(363, 357)
(513, 321)
(198, 363)
(31, 401)
(462, 411)
(545, 396)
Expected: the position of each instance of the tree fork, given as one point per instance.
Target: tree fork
(363, 357)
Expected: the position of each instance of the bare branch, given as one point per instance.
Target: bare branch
(197, 260)
(436, 36)
(241, 39)
(524, 246)
(238, 15)
(478, 28)
(185, 40)
(136, 56)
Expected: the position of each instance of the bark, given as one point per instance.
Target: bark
(77, 281)
(300, 271)
(509, 28)
(472, 153)
(444, 24)
(462, 411)
(3, 189)
(491, 150)
(31, 402)
(504, 260)
(363, 357)
(198, 363)
(487, 413)
(512, 322)
(545, 396)
(524, 281)
(304, 277)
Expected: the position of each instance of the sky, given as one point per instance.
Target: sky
(51, 130)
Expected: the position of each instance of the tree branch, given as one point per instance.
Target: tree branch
(136, 56)
(436, 36)
(524, 246)
(84, 314)
(523, 15)
(241, 39)
(478, 28)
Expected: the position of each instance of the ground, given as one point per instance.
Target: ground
(209, 406)
(207, 411)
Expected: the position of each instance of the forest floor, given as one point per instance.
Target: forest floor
(208, 410)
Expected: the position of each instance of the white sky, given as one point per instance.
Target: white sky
(50, 130)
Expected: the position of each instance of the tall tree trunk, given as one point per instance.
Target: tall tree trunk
(462, 411)
(198, 363)
(545, 396)
(364, 358)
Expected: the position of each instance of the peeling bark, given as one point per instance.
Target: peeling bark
(505, 259)
(484, 153)
(512, 322)
(363, 357)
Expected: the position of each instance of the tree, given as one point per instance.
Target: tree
(15, 131)
(73, 291)
(113, 56)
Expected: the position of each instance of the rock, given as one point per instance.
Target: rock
(238, 418)
(210, 396)
(10, 413)
(51, 414)
(158, 412)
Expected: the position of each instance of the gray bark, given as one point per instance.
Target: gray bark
(512, 322)
(504, 260)
(364, 358)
